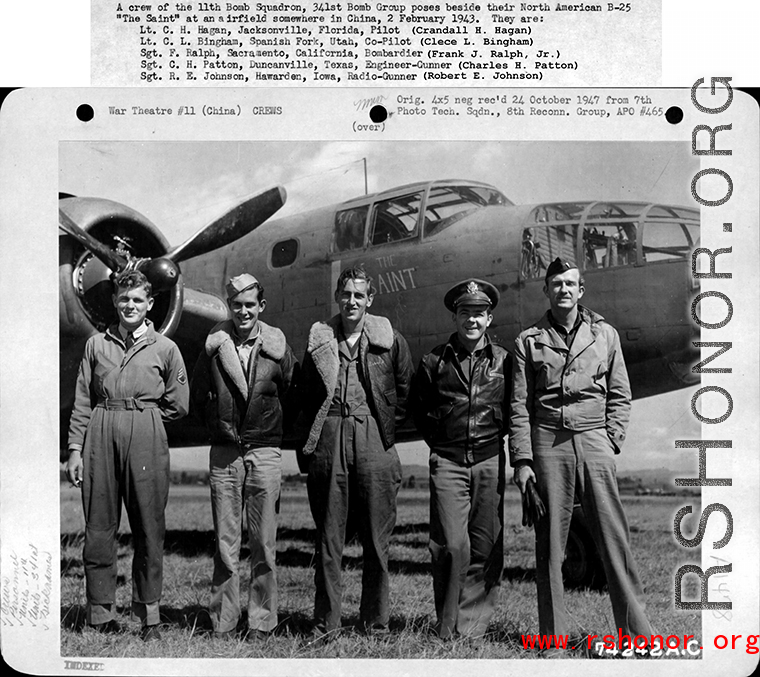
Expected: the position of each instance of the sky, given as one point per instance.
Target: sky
(182, 186)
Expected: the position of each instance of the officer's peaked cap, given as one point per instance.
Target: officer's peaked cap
(471, 292)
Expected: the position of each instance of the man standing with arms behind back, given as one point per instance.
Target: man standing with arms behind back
(240, 384)
(571, 403)
(354, 386)
(461, 405)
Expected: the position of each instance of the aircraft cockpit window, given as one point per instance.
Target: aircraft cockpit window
(447, 204)
(542, 244)
(396, 219)
(349, 229)
(606, 245)
(606, 210)
(667, 240)
(548, 213)
(284, 253)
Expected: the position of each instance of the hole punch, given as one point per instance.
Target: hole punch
(378, 114)
(85, 113)
(674, 115)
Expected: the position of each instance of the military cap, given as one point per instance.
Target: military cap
(558, 266)
(239, 284)
(472, 292)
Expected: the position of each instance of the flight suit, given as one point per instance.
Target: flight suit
(569, 412)
(123, 396)
(352, 401)
(350, 475)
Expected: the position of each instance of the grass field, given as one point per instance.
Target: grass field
(189, 547)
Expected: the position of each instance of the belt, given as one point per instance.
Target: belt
(345, 409)
(128, 404)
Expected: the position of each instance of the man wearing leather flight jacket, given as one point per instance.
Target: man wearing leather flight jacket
(353, 391)
(242, 387)
(460, 405)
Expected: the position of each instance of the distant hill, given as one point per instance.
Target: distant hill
(656, 481)
(653, 481)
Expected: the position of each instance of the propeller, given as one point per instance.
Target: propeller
(163, 272)
(230, 227)
(107, 255)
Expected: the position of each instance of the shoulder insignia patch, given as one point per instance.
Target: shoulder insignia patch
(181, 377)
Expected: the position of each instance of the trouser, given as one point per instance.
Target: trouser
(250, 481)
(351, 474)
(126, 458)
(570, 465)
(466, 542)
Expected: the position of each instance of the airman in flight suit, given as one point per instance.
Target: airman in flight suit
(131, 379)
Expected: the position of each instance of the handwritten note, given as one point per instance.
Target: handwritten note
(27, 587)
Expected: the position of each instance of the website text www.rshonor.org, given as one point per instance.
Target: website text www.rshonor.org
(655, 645)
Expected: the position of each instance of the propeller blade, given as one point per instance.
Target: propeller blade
(114, 261)
(233, 225)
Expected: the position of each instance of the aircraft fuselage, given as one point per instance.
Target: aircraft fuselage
(635, 259)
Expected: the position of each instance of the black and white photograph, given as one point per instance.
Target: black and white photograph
(418, 223)
(326, 403)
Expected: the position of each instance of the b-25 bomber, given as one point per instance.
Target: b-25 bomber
(416, 241)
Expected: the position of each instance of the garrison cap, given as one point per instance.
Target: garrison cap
(239, 284)
(558, 266)
(472, 292)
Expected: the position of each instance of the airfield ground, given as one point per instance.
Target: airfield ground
(188, 566)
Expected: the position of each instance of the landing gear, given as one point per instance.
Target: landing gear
(582, 567)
